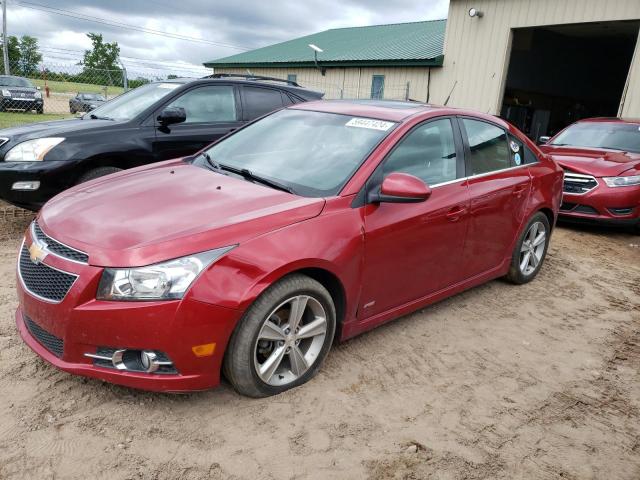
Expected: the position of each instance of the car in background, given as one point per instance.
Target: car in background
(601, 160)
(20, 94)
(85, 102)
(312, 225)
(154, 122)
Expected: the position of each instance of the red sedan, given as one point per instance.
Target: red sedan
(601, 159)
(310, 226)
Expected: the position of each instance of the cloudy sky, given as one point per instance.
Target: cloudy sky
(189, 32)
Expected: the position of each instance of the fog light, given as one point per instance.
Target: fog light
(26, 186)
(149, 361)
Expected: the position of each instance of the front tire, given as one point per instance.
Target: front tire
(282, 339)
(531, 250)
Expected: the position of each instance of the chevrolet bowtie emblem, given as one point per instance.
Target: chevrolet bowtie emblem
(37, 253)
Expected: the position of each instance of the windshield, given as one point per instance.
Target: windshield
(609, 135)
(92, 96)
(15, 82)
(312, 153)
(132, 103)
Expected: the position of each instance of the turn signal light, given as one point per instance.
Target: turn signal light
(205, 350)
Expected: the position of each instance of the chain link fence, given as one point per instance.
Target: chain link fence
(65, 90)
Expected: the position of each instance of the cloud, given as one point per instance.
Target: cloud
(248, 24)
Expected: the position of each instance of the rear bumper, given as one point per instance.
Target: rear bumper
(603, 204)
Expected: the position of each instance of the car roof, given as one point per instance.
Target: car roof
(633, 121)
(390, 110)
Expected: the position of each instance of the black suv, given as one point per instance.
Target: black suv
(19, 94)
(154, 122)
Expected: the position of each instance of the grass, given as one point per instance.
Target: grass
(14, 119)
(73, 87)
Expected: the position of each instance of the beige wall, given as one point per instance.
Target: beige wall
(477, 49)
(353, 82)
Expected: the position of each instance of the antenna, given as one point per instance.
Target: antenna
(449, 97)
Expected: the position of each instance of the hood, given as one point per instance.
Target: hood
(168, 210)
(55, 128)
(591, 161)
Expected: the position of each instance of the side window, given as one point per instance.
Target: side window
(208, 104)
(427, 152)
(377, 87)
(520, 153)
(489, 148)
(258, 101)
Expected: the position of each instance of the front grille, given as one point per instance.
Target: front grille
(58, 248)
(19, 94)
(52, 343)
(578, 184)
(44, 281)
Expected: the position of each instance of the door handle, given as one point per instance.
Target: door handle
(455, 213)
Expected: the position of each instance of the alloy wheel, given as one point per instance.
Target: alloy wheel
(532, 249)
(290, 340)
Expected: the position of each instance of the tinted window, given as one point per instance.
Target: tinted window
(520, 153)
(428, 152)
(208, 104)
(258, 101)
(489, 148)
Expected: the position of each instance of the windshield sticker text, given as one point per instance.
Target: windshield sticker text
(369, 123)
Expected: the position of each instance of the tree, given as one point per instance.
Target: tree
(30, 56)
(102, 57)
(14, 53)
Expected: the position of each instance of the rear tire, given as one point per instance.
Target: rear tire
(272, 349)
(530, 250)
(97, 173)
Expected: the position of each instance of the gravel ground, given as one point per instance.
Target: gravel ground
(539, 381)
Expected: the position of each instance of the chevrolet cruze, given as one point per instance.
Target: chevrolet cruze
(307, 227)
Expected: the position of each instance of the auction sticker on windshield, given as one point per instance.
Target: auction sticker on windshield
(369, 123)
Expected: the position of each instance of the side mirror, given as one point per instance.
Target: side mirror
(172, 115)
(543, 140)
(401, 188)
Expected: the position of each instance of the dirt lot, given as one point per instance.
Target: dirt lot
(539, 381)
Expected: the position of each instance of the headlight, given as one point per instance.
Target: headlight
(38, 94)
(32, 150)
(622, 181)
(6, 93)
(163, 281)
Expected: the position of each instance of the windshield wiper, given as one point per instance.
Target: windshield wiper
(93, 116)
(246, 174)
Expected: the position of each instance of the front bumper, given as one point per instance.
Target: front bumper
(54, 177)
(84, 324)
(603, 204)
(20, 104)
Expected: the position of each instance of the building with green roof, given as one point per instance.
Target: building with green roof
(380, 61)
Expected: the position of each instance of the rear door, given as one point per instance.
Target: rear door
(212, 112)
(499, 185)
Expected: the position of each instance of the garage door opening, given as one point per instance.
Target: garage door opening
(560, 74)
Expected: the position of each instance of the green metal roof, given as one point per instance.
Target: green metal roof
(400, 44)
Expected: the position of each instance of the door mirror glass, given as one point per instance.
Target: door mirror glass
(402, 188)
(171, 115)
(542, 140)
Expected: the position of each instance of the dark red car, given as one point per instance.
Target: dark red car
(310, 226)
(601, 159)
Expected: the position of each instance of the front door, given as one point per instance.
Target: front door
(499, 186)
(414, 249)
(212, 112)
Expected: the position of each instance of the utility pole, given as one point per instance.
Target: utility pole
(5, 41)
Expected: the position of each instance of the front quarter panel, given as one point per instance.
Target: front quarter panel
(332, 241)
